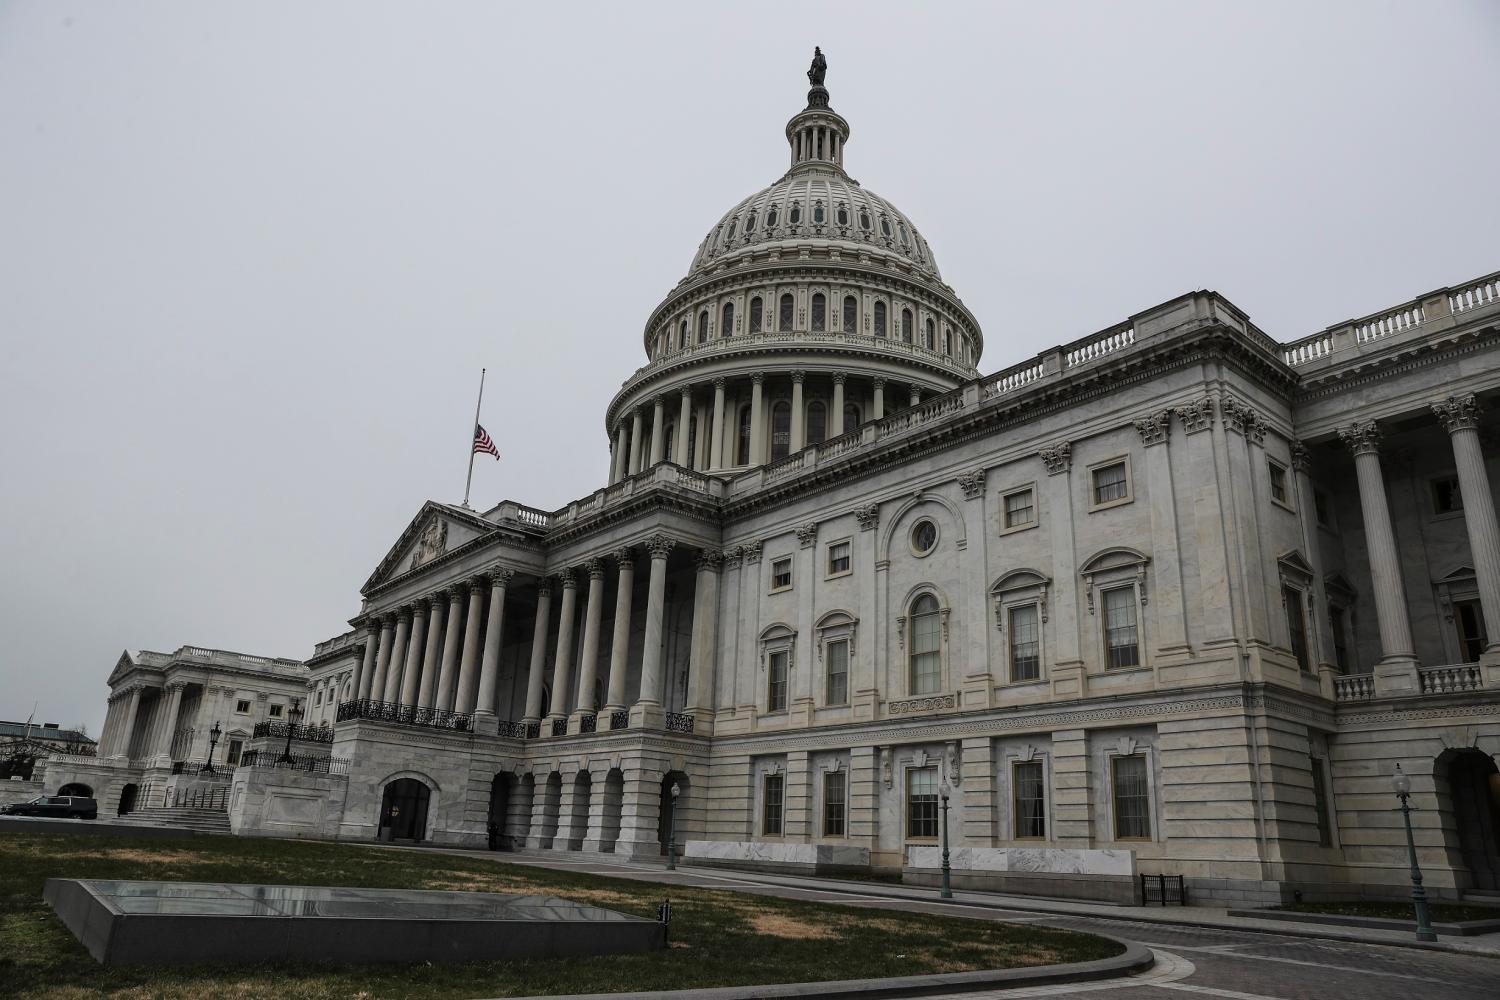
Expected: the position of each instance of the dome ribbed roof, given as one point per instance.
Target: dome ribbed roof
(819, 205)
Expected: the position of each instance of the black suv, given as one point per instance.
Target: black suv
(59, 806)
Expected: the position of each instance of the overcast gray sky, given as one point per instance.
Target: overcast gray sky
(253, 255)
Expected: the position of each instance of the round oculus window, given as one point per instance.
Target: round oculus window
(924, 537)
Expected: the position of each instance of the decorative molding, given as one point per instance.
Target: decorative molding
(1058, 458)
(710, 560)
(798, 377)
(868, 516)
(624, 558)
(595, 567)
(750, 552)
(1195, 416)
(972, 483)
(501, 577)
(1155, 427)
(1244, 421)
(912, 706)
(1458, 413)
(807, 535)
(660, 546)
(569, 578)
(1301, 457)
(1361, 437)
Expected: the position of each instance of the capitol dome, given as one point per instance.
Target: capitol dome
(812, 307)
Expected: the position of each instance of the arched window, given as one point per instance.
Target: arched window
(851, 417)
(742, 449)
(851, 315)
(817, 422)
(842, 216)
(750, 223)
(926, 646)
(771, 216)
(692, 454)
(682, 335)
(788, 310)
(906, 325)
(781, 430)
(819, 312)
(879, 318)
(795, 216)
(757, 314)
(927, 338)
(818, 213)
(703, 327)
(727, 327)
(947, 341)
(669, 436)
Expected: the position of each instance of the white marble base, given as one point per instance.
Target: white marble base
(1040, 860)
(771, 852)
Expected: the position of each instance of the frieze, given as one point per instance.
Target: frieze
(910, 706)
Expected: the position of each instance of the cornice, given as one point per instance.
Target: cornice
(1407, 357)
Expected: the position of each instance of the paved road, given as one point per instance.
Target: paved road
(1191, 961)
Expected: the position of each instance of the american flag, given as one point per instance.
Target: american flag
(483, 444)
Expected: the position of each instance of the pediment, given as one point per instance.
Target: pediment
(123, 666)
(436, 530)
(1463, 574)
(1293, 562)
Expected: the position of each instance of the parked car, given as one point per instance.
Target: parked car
(56, 806)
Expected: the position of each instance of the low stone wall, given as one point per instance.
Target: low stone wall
(275, 802)
(1099, 875)
(748, 855)
(12, 792)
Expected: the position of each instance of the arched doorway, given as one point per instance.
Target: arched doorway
(403, 810)
(666, 828)
(127, 799)
(551, 803)
(76, 788)
(500, 789)
(1474, 789)
(583, 786)
(613, 802)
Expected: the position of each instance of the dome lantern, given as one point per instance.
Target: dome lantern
(817, 133)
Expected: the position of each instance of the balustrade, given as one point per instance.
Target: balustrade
(1451, 679)
(1354, 687)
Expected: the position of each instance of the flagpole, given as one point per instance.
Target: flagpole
(473, 431)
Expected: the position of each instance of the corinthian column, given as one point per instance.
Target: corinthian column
(468, 674)
(383, 659)
(1459, 416)
(489, 671)
(635, 444)
(562, 665)
(367, 663)
(684, 415)
(799, 423)
(657, 444)
(836, 418)
(127, 725)
(700, 692)
(757, 415)
(448, 674)
(432, 654)
(168, 726)
(650, 693)
(398, 652)
(716, 442)
(413, 668)
(877, 404)
(1396, 673)
(588, 660)
(536, 678)
(619, 650)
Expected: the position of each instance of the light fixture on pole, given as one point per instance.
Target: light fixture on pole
(213, 741)
(672, 831)
(294, 715)
(947, 892)
(1402, 784)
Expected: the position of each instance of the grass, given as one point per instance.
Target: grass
(719, 938)
(1439, 913)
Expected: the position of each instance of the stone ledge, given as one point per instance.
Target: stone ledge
(1462, 928)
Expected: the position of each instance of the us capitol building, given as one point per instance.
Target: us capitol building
(1175, 597)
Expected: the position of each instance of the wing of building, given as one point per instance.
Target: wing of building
(1173, 598)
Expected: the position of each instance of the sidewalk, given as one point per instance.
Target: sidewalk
(1215, 917)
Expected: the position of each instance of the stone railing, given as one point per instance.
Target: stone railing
(1354, 687)
(1099, 344)
(354, 637)
(526, 517)
(1453, 679)
(223, 658)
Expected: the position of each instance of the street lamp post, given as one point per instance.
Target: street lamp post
(294, 715)
(213, 741)
(1402, 784)
(672, 831)
(947, 892)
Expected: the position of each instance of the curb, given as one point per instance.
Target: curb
(1459, 928)
(1136, 958)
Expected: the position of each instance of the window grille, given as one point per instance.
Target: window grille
(1030, 801)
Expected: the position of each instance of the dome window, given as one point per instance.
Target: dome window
(703, 327)
(851, 417)
(927, 336)
(771, 216)
(781, 430)
(864, 220)
(901, 228)
(750, 223)
(885, 227)
(879, 319)
(851, 314)
(795, 217)
(726, 328)
(788, 310)
(818, 214)
(906, 325)
(817, 422)
(757, 314)
(682, 335)
(819, 312)
(842, 216)
(947, 342)
(742, 444)
(729, 235)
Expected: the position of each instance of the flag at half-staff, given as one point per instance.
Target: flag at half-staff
(482, 442)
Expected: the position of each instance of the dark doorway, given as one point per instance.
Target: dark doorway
(500, 787)
(583, 786)
(127, 799)
(1474, 785)
(76, 788)
(403, 810)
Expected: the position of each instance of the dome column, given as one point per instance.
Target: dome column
(836, 418)
(617, 460)
(716, 442)
(799, 423)
(657, 416)
(757, 416)
(877, 406)
(635, 444)
(684, 418)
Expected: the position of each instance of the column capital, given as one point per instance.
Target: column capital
(972, 483)
(569, 579)
(798, 377)
(174, 687)
(839, 377)
(1301, 457)
(500, 576)
(878, 383)
(1195, 416)
(624, 558)
(807, 534)
(1243, 420)
(710, 560)
(419, 607)
(758, 378)
(388, 619)
(750, 551)
(1058, 458)
(868, 516)
(1361, 437)
(719, 382)
(1154, 427)
(660, 546)
(544, 586)
(657, 401)
(686, 391)
(478, 582)
(1458, 413)
(403, 613)
(595, 567)
(438, 596)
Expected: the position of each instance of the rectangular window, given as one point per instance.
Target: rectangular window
(1278, 481)
(770, 813)
(1446, 499)
(922, 803)
(837, 656)
(776, 683)
(275, 711)
(1320, 804)
(232, 757)
(1030, 801)
(1020, 509)
(781, 574)
(1470, 623)
(838, 558)
(1296, 623)
(926, 654)
(1132, 798)
(242, 707)
(1025, 644)
(320, 698)
(1110, 483)
(1121, 638)
(1340, 642)
(833, 804)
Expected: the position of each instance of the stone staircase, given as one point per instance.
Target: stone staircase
(181, 818)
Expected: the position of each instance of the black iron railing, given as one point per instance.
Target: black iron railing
(514, 730)
(679, 722)
(188, 766)
(1164, 890)
(559, 727)
(619, 720)
(588, 723)
(202, 797)
(267, 759)
(306, 734)
(404, 715)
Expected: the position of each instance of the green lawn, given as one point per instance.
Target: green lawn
(718, 938)
(1438, 913)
